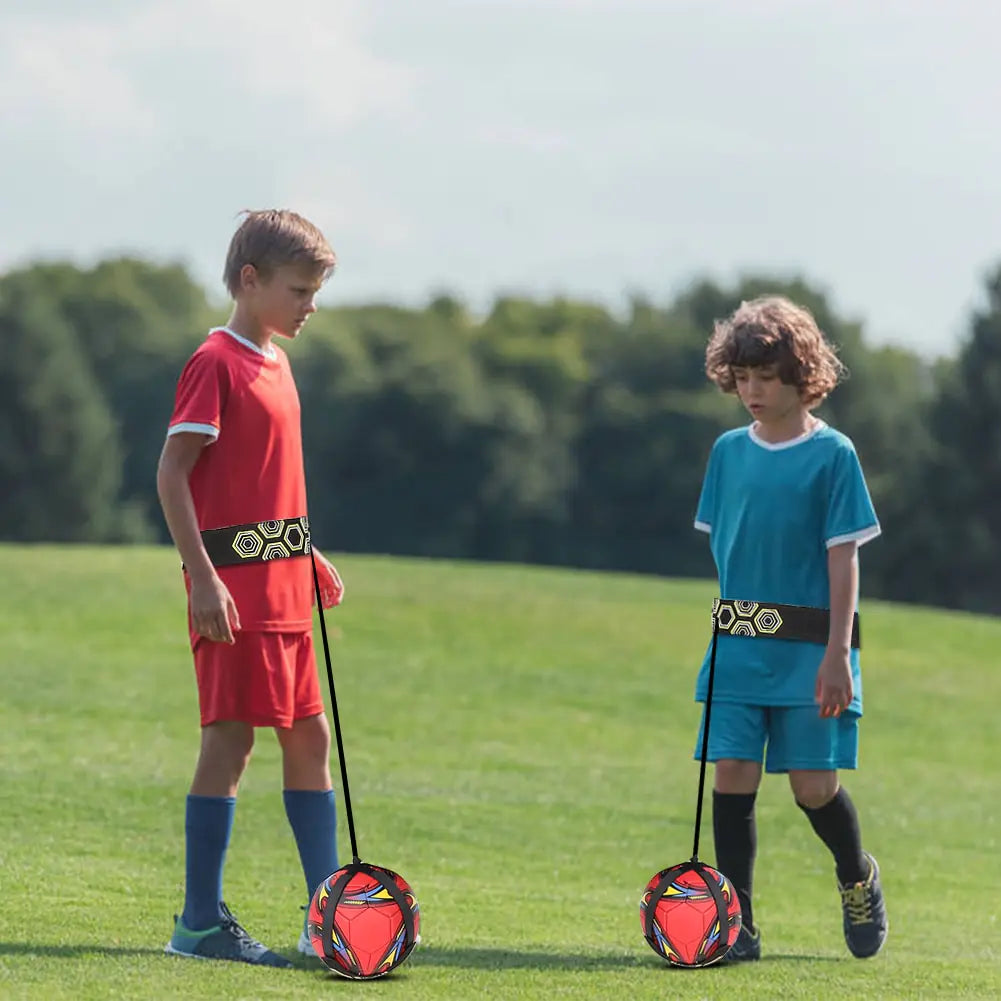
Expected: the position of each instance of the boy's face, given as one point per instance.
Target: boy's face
(767, 398)
(283, 301)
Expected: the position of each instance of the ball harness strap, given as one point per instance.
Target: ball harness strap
(337, 891)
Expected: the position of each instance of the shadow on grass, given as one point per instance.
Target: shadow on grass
(484, 958)
(467, 957)
(74, 951)
(802, 957)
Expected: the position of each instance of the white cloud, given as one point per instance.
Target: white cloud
(65, 70)
(346, 202)
(591, 145)
(127, 69)
(526, 137)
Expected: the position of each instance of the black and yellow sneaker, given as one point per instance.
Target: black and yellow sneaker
(747, 948)
(227, 940)
(865, 920)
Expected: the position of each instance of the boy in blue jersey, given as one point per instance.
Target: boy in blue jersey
(786, 507)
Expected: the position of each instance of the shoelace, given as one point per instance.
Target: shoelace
(857, 903)
(230, 924)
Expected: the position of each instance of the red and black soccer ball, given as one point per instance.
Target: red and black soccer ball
(363, 921)
(690, 914)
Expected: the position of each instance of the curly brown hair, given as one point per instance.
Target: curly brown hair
(773, 330)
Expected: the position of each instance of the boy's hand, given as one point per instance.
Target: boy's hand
(833, 693)
(213, 611)
(331, 585)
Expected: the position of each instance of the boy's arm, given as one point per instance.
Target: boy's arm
(834, 679)
(331, 585)
(178, 458)
(213, 611)
(842, 575)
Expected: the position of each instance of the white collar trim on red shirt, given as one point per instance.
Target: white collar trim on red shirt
(271, 354)
(775, 446)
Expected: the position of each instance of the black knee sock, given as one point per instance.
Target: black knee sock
(836, 824)
(736, 836)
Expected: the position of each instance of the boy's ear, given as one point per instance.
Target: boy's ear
(249, 278)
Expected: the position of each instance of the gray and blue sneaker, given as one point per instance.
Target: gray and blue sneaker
(227, 940)
(865, 921)
(746, 948)
(304, 946)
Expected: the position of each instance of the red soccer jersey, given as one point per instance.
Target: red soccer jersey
(252, 471)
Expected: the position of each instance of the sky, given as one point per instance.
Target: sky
(591, 148)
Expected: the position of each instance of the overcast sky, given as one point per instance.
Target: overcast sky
(584, 147)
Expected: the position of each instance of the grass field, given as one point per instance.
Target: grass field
(518, 745)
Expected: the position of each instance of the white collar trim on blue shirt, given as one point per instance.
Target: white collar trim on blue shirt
(271, 354)
(776, 446)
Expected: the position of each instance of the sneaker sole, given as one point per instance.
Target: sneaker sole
(879, 949)
(171, 951)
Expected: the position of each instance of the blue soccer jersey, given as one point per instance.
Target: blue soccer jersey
(772, 511)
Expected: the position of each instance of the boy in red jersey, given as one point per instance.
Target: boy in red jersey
(232, 486)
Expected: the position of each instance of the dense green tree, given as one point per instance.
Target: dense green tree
(134, 324)
(649, 420)
(400, 429)
(544, 431)
(138, 322)
(60, 458)
(957, 504)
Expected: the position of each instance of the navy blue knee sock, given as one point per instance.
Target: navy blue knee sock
(208, 821)
(313, 818)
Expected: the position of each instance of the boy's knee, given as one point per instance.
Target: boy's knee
(736, 776)
(230, 742)
(813, 789)
(308, 738)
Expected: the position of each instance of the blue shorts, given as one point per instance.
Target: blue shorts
(797, 737)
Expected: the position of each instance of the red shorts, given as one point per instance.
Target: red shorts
(265, 679)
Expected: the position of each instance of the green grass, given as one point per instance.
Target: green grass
(519, 746)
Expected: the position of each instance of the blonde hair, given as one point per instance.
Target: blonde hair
(773, 330)
(272, 238)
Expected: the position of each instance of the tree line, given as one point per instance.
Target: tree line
(544, 431)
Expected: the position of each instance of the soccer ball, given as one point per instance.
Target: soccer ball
(363, 921)
(690, 914)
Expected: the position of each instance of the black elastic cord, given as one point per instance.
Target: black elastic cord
(336, 892)
(658, 891)
(335, 714)
(705, 733)
(406, 911)
(722, 913)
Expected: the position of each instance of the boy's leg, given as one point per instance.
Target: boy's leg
(231, 680)
(309, 796)
(735, 832)
(308, 792)
(833, 817)
(207, 929)
(225, 751)
(812, 749)
(736, 745)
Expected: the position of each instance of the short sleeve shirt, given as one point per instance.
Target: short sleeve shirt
(246, 401)
(772, 511)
